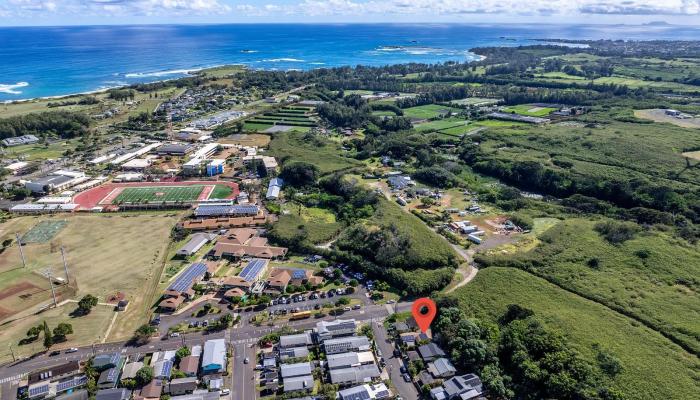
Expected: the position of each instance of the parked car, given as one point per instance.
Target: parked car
(72, 350)
(175, 334)
(403, 370)
(225, 391)
(407, 377)
(356, 306)
(347, 308)
(54, 353)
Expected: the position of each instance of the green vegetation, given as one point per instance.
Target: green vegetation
(652, 367)
(323, 154)
(428, 111)
(649, 276)
(530, 110)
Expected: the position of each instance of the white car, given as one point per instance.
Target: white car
(175, 334)
(225, 392)
(71, 350)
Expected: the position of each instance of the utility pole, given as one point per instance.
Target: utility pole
(13, 354)
(53, 291)
(21, 252)
(65, 265)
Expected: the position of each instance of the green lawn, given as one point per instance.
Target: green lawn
(530, 110)
(427, 111)
(158, 194)
(32, 152)
(653, 367)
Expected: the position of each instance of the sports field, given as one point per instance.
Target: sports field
(161, 193)
(168, 194)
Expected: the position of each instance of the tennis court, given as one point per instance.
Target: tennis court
(43, 231)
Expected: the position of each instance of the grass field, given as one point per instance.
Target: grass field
(614, 150)
(105, 254)
(653, 367)
(155, 194)
(475, 101)
(31, 152)
(87, 330)
(327, 157)
(530, 110)
(319, 225)
(428, 111)
(659, 287)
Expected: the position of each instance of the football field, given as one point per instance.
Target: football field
(155, 194)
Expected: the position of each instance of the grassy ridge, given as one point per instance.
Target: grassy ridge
(652, 277)
(653, 367)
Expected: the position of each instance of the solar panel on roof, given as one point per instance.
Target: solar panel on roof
(298, 274)
(252, 270)
(167, 369)
(38, 390)
(65, 385)
(185, 280)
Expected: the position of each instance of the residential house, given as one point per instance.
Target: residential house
(346, 344)
(337, 328)
(365, 392)
(106, 361)
(354, 375)
(297, 376)
(152, 390)
(349, 360)
(463, 387)
(294, 352)
(430, 352)
(108, 378)
(297, 340)
(130, 369)
(189, 365)
(181, 386)
(113, 394)
(214, 356)
(441, 368)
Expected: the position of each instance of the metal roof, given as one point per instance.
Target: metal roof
(214, 353)
(185, 280)
(298, 383)
(298, 369)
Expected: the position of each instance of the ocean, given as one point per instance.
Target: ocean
(56, 61)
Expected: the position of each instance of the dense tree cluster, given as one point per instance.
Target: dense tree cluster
(521, 358)
(62, 124)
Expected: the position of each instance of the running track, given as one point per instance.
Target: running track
(92, 197)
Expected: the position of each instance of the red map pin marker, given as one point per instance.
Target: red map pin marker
(424, 311)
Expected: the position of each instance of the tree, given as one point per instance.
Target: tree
(144, 375)
(299, 173)
(343, 301)
(144, 332)
(181, 353)
(34, 332)
(226, 320)
(86, 304)
(48, 337)
(427, 201)
(353, 282)
(61, 331)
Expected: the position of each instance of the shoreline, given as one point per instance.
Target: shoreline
(187, 73)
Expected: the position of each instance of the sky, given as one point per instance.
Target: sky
(98, 12)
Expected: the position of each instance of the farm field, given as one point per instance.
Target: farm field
(112, 257)
(620, 150)
(637, 83)
(530, 110)
(658, 115)
(297, 117)
(441, 124)
(475, 101)
(250, 139)
(652, 367)
(327, 157)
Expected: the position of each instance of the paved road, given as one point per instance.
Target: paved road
(243, 377)
(406, 390)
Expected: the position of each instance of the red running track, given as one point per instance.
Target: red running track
(92, 197)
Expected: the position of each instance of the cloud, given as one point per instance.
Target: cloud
(418, 9)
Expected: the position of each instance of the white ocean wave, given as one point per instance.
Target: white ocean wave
(162, 73)
(10, 88)
(284, 60)
(317, 63)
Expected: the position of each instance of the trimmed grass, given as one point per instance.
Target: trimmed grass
(653, 367)
(530, 110)
(158, 193)
(87, 329)
(427, 111)
(105, 254)
(33, 152)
